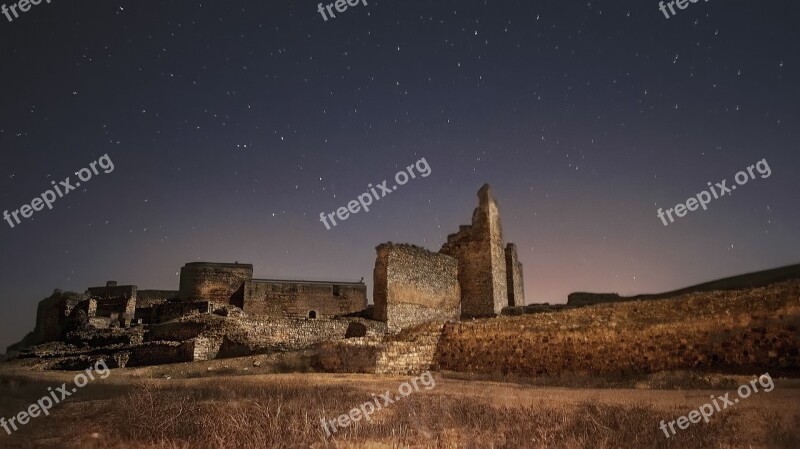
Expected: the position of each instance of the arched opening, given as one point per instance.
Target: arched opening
(312, 314)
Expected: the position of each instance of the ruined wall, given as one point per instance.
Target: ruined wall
(148, 298)
(122, 308)
(114, 304)
(481, 260)
(516, 290)
(743, 332)
(54, 313)
(412, 351)
(161, 353)
(172, 310)
(303, 299)
(112, 290)
(216, 282)
(414, 285)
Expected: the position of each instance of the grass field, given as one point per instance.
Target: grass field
(132, 410)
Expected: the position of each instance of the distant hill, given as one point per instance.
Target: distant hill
(740, 282)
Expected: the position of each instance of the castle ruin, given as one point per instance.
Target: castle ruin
(221, 310)
(413, 285)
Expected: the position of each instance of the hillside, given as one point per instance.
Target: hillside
(739, 282)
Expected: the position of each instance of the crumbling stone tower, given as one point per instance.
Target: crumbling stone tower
(481, 260)
(516, 288)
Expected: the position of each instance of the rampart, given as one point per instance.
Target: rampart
(740, 332)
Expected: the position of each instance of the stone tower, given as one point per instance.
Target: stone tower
(481, 260)
(516, 288)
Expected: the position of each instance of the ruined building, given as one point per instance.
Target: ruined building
(472, 275)
(234, 284)
(221, 310)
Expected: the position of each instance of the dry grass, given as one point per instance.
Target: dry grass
(284, 412)
(288, 416)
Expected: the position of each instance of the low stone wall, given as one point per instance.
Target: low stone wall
(160, 353)
(412, 351)
(269, 334)
(354, 355)
(175, 331)
(206, 348)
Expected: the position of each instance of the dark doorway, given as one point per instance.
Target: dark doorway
(312, 315)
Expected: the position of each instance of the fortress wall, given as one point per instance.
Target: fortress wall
(298, 299)
(414, 285)
(516, 289)
(412, 351)
(481, 260)
(215, 282)
(736, 332)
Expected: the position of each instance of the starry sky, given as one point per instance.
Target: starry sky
(233, 124)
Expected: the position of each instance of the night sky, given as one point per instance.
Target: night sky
(232, 124)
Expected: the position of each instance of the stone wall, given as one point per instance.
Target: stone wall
(111, 290)
(120, 308)
(149, 298)
(412, 351)
(516, 289)
(172, 310)
(161, 353)
(744, 332)
(414, 285)
(303, 299)
(175, 331)
(54, 313)
(266, 334)
(216, 282)
(481, 260)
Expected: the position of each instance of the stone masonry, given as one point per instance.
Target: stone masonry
(516, 289)
(303, 299)
(414, 285)
(481, 260)
(216, 282)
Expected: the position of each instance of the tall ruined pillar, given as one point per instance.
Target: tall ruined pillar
(481, 260)
(516, 289)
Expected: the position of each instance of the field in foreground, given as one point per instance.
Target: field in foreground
(128, 410)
